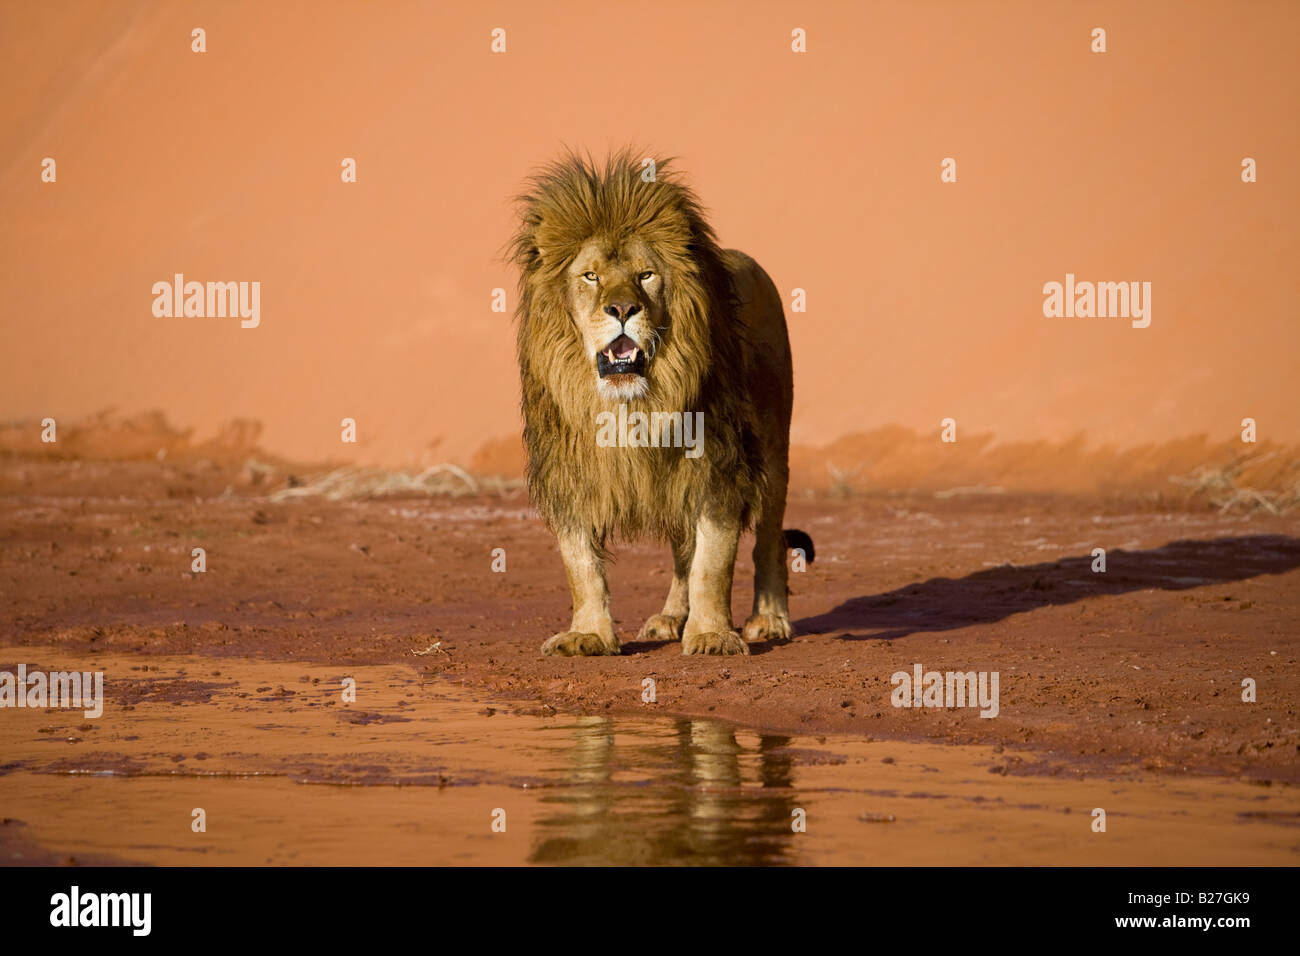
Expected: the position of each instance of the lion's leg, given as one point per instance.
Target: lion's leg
(667, 624)
(771, 618)
(592, 630)
(708, 627)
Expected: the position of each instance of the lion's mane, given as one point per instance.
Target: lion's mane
(699, 364)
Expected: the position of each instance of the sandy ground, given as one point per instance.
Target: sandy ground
(1139, 667)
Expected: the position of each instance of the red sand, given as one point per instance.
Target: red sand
(1141, 665)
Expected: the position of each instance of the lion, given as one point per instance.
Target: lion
(628, 305)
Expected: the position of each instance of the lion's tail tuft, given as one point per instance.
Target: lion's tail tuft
(794, 538)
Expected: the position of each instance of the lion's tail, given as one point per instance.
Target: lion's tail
(794, 538)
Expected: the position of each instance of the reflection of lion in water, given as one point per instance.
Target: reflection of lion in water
(627, 300)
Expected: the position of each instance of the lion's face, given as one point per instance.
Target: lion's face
(617, 295)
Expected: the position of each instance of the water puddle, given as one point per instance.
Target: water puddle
(418, 772)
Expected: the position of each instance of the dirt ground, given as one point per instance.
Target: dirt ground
(1139, 667)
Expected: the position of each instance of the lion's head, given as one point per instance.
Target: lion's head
(621, 278)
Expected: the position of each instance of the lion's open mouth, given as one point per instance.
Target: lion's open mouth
(621, 357)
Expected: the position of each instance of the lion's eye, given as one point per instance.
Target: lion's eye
(590, 276)
(646, 276)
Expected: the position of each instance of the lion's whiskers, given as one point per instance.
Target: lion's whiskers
(655, 338)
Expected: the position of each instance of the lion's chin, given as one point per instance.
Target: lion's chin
(622, 388)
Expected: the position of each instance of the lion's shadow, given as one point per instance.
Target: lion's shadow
(942, 604)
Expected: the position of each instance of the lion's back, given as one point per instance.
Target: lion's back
(769, 374)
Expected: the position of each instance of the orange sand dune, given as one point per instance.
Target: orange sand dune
(924, 299)
(1184, 471)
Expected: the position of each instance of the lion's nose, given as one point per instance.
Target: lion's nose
(622, 310)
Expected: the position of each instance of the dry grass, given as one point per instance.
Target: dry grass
(970, 491)
(841, 480)
(1219, 485)
(444, 480)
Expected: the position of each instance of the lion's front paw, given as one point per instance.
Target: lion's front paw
(768, 627)
(578, 644)
(662, 627)
(714, 642)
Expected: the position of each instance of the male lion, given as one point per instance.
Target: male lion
(627, 300)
